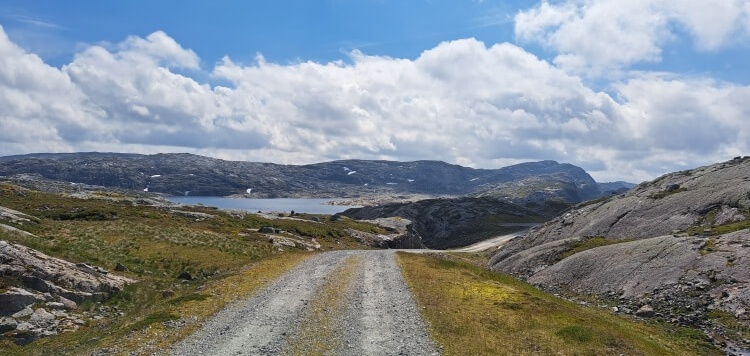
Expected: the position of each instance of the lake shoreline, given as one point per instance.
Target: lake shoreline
(253, 205)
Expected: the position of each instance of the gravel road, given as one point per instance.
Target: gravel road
(339, 303)
(494, 242)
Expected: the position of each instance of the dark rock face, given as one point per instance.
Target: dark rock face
(181, 174)
(447, 223)
(16, 299)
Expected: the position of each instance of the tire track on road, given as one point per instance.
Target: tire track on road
(358, 298)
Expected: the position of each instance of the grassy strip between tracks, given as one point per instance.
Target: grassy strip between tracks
(317, 333)
(473, 311)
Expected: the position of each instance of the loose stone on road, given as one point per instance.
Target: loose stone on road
(338, 303)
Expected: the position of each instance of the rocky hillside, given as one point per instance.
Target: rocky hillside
(55, 286)
(448, 223)
(181, 174)
(677, 248)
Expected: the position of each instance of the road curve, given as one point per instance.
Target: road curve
(375, 314)
(494, 242)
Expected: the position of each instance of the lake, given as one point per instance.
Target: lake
(309, 206)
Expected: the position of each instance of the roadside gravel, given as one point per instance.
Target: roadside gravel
(373, 314)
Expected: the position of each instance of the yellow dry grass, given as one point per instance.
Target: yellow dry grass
(472, 311)
(157, 336)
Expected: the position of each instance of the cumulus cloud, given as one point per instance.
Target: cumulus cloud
(600, 35)
(41, 105)
(462, 101)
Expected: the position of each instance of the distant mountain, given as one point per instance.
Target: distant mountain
(187, 174)
(618, 187)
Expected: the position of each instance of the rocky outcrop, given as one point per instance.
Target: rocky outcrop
(401, 234)
(282, 242)
(696, 199)
(41, 273)
(43, 291)
(679, 244)
(636, 268)
(706, 196)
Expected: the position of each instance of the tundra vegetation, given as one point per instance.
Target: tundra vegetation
(222, 252)
(472, 311)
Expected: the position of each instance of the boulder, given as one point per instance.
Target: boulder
(24, 326)
(23, 312)
(55, 305)
(7, 324)
(69, 304)
(25, 333)
(267, 230)
(120, 267)
(42, 318)
(16, 299)
(645, 311)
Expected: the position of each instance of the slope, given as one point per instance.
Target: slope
(678, 244)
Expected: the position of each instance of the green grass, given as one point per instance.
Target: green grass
(158, 317)
(188, 297)
(715, 230)
(731, 227)
(708, 246)
(587, 243)
(736, 330)
(473, 311)
(576, 333)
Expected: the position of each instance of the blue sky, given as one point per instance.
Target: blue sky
(282, 31)
(626, 90)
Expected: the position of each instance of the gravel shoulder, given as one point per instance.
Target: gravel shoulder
(371, 312)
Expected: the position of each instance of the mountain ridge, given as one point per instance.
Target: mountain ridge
(189, 174)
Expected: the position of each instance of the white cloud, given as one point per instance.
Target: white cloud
(687, 115)
(462, 102)
(160, 48)
(603, 35)
(41, 108)
(713, 23)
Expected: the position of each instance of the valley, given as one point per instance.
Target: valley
(658, 269)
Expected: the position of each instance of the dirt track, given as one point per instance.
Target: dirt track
(340, 303)
(494, 242)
